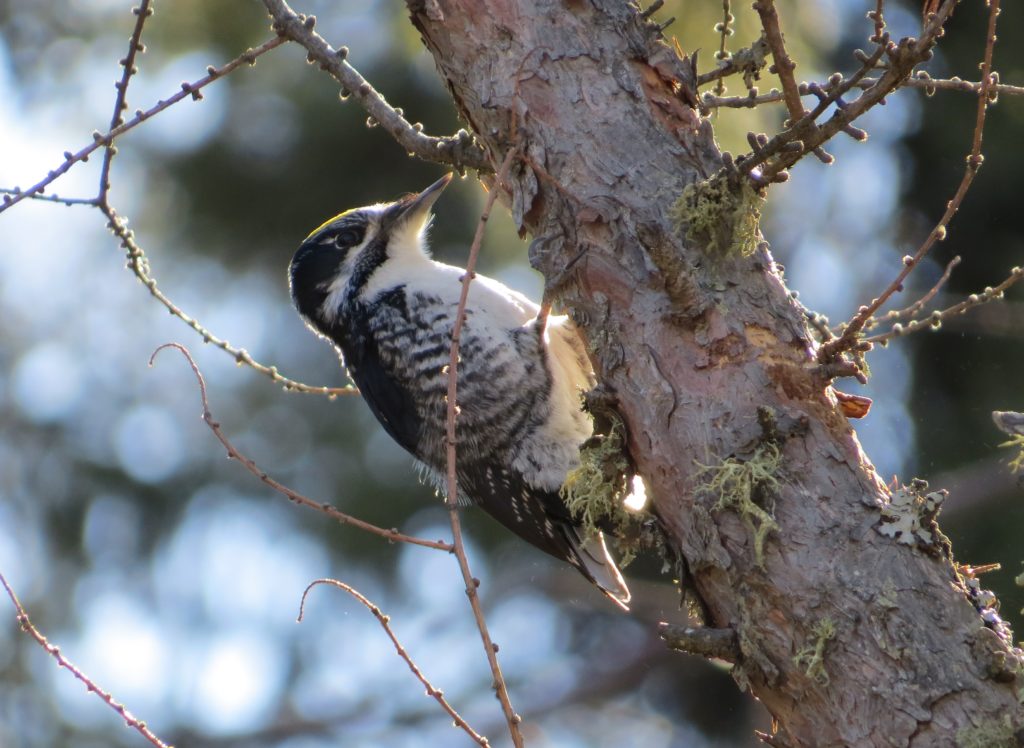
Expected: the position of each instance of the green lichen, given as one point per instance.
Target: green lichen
(594, 492)
(726, 216)
(996, 733)
(812, 657)
(736, 482)
(1016, 442)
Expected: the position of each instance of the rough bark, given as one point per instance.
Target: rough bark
(692, 342)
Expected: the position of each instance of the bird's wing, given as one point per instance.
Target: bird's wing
(369, 359)
(541, 518)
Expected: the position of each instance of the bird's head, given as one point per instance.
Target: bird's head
(341, 254)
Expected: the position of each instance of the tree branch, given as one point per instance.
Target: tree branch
(54, 651)
(903, 58)
(385, 622)
(914, 309)
(135, 46)
(848, 338)
(921, 81)
(936, 318)
(460, 150)
(294, 496)
(101, 140)
(721, 644)
(472, 584)
(784, 65)
(139, 265)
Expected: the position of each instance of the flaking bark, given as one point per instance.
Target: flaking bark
(692, 343)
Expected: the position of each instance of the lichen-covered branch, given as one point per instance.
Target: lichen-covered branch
(693, 342)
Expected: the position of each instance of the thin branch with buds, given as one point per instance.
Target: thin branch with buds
(849, 337)
(784, 65)
(939, 316)
(135, 46)
(137, 261)
(460, 150)
(385, 622)
(391, 535)
(102, 140)
(139, 265)
(910, 312)
(52, 198)
(54, 651)
(472, 584)
(805, 135)
(877, 16)
(921, 81)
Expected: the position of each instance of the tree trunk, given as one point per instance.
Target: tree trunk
(850, 636)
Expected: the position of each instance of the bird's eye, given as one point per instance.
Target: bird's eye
(347, 238)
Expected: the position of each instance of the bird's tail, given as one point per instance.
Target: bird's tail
(599, 567)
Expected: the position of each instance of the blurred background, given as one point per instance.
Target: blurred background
(173, 577)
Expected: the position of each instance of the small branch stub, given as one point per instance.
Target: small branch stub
(720, 644)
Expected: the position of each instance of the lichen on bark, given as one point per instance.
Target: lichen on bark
(722, 213)
(735, 482)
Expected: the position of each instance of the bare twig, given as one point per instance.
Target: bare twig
(849, 336)
(346, 519)
(7, 192)
(777, 156)
(139, 265)
(877, 16)
(490, 648)
(135, 46)
(101, 140)
(385, 622)
(784, 65)
(725, 31)
(921, 81)
(936, 318)
(914, 309)
(460, 150)
(137, 261)
(54, 651)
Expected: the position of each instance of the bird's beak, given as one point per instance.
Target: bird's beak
(417, 208)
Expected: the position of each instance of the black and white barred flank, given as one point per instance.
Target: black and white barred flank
(365, 281)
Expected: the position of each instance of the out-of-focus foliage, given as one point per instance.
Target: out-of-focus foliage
(173, 577)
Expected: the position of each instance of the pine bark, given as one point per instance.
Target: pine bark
(693, 341)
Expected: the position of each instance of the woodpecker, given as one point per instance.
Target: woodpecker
(364, 280)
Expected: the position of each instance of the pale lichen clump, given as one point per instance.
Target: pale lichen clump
(812, 657)
(911, 515)
(727, 216)
(735, 482)
(595, 493)
(1016, 442)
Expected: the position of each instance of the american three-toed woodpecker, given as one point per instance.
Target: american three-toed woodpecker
(364, 281)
